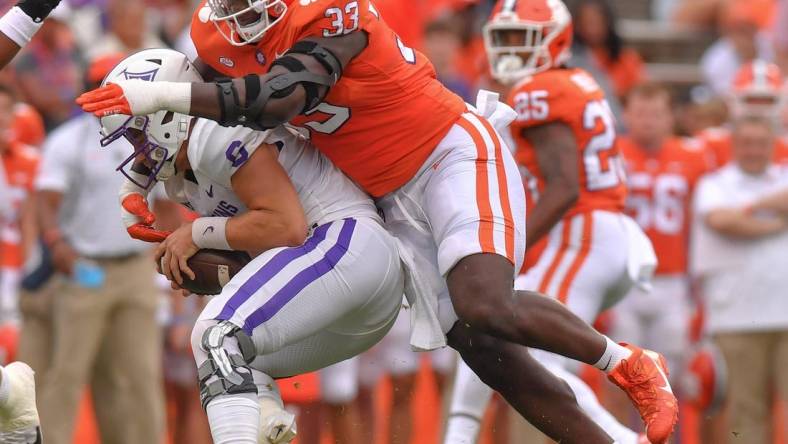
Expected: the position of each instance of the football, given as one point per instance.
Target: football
(213, 269)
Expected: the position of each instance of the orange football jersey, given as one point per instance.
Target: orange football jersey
(386, 114)
(21, 164)
(660, 193)
(719, 144)
(572, 97)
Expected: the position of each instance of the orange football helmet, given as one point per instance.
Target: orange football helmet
(524, 37)
(242, 22)
(758, 90)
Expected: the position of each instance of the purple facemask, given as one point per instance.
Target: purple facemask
(143, 172)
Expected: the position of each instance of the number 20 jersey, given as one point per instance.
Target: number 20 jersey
(571, 97)
(386, 114)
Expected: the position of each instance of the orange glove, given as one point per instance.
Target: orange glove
(104, 101)
(139, 219)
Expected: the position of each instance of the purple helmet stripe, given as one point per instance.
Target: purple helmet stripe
(269, 270)
(303, 279)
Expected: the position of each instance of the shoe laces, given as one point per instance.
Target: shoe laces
(642, 386)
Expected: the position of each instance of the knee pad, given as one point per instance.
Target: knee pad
(226, 371)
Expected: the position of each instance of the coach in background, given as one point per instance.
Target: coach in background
(102, 329)
(738, 250)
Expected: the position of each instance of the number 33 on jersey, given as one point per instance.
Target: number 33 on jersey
(572, 97)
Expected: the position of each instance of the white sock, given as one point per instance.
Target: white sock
(5, 387)
(234, 419)
(586, 399)
(469, 400)
(613, 355)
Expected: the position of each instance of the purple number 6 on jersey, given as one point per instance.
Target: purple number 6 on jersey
(237, 154)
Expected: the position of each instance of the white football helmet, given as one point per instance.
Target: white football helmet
(525, 37)
(156, 137)
(242, 22)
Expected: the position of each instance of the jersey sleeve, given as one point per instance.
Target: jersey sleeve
(218, 152)
(329, 18)
(549, 97)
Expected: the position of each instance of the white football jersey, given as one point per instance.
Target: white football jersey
(216, 152)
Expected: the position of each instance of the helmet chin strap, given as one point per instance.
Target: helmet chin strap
(168, 169)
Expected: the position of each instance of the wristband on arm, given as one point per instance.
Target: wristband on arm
(210, 232)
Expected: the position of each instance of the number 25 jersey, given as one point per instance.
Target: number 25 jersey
(571, 97)
(387, 112)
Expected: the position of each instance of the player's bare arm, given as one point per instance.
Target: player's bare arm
(297, 82)
(19, 24)
(48, 206)
(742, 224)
(274, 218)
(556, 153)
(205, 70)
(777, 202)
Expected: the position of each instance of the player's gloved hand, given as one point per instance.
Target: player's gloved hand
(137, 97)
(37, 10)
(139, 219)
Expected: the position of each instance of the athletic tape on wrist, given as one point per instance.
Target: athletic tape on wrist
(18, 26)
(210, 232)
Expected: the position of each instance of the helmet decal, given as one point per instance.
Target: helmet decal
(147, 76)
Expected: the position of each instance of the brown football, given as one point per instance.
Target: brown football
(213, 269)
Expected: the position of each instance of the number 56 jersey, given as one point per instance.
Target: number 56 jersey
(572, 97)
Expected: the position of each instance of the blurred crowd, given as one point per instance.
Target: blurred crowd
(81, 303)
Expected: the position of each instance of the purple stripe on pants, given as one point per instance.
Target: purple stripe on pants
(303, 279)
(269, 270)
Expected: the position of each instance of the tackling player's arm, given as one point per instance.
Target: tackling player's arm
(274, 218)
(557, 156)
(296, 82)
(19, 24)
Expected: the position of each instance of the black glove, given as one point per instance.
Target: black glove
(38, 10)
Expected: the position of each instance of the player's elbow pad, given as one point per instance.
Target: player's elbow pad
(259, 90)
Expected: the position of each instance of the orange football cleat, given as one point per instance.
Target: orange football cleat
(644, 378)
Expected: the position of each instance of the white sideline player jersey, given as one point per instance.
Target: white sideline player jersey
(217, 152)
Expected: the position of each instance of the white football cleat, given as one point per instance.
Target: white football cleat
(19, 423)
(277, 425)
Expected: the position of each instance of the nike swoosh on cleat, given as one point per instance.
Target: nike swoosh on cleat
(209, 192)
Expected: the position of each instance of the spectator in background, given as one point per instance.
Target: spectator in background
(441, 45)
(707, 14)
(662, 170)
(18, 229)
(48, 71)
(102, 327)
(28, 125)
(599, 49)
(780, 36)
(128, 31)
(738, 253)
(742, 41)
(756, 91)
